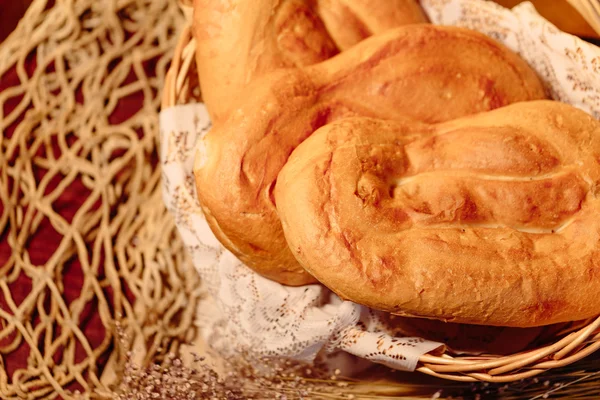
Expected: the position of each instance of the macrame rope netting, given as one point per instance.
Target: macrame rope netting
(86, 243)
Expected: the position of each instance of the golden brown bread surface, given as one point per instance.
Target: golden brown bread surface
(489, 219)
(350, 21)
(241, 40)
(426, 72)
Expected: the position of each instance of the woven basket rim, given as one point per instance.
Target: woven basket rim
(576, 345)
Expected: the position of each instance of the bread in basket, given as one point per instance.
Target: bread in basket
(582, 340)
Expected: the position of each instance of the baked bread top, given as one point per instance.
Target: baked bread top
(241, 40)
(488, 219)
(424, 72)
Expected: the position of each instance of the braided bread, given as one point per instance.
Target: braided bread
(491, 219)
(424, 72)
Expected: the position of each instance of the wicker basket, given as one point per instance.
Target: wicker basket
(575, 342)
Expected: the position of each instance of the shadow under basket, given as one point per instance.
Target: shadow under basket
(557, 347)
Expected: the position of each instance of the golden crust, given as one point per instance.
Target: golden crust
(489, 219)
(241, 40)
(425, 72)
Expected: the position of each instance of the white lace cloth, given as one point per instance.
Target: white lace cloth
(299, 322)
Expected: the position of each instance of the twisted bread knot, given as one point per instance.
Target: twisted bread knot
(488, 219)
(423, 72)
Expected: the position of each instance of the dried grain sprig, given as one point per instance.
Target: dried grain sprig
(248, 376)
(251, 376)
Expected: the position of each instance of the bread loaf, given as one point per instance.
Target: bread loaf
(241, 40)
(490, 219)
(424, 72)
